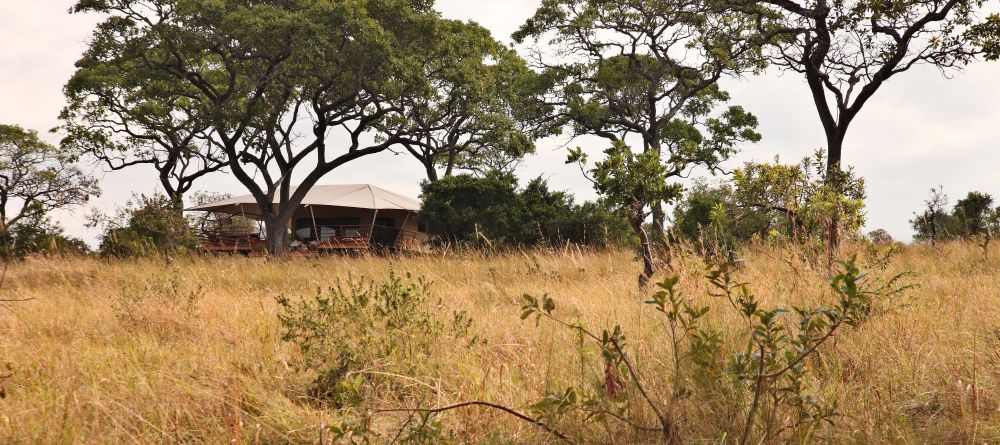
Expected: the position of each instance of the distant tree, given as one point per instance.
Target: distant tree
(492, 210)
(476, 118)
(847, 50)
(930, 223)
(972, 213)
(802, 200)
(36, 177)
(646, 73)
(37, 234)
(880, 236)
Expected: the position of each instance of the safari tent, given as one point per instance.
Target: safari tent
(330, 218)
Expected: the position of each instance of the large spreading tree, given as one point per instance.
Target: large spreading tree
(645, 75)
(291, 90)
(123, 113)
(847, 50)
(477, 117)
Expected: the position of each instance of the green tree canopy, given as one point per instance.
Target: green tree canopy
(493, 210)
(37, 177)
(477, 117)
(292, 90)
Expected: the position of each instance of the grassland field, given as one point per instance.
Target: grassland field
(191, 350)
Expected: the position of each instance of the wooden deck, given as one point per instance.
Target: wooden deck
(334, 239)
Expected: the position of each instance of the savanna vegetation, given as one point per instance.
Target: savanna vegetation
(210, 350)
(762, 313)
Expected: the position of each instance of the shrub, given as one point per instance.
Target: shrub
(492, 210)
(802, 201)
(145, 226)
(364, 325)
(710, 216)
(36, 234)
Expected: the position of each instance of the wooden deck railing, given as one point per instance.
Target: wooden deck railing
(331, 238)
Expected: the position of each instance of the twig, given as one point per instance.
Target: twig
(495, 406)
(664, 422)
(756, 399)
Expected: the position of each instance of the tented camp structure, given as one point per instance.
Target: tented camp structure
(330, 218)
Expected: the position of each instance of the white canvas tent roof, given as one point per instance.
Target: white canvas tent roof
(360, 196)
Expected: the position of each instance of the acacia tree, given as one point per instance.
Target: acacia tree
(476, 117)
(847, 50)
(123, 114)
(280, 81)
(646, 73)
(36, 177)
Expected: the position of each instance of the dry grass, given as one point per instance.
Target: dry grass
(142, 352)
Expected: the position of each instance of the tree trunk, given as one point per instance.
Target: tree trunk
(645, 246)
(835, 145)
(432, 174)
(276, 231)
(659, 220)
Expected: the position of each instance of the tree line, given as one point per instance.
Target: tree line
(280, 94)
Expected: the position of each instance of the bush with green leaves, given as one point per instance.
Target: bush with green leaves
(710, 217)
(491, 210)
(972, 217)
(360, 325)
(36, 234)
(803, 201)
(145, 226)
(766, 380)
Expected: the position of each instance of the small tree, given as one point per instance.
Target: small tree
(630, 182)
(145, 226)
(646, 73)
(36, 177)
(928, 224)
(805, 200)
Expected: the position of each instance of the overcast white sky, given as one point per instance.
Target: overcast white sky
(920, 130)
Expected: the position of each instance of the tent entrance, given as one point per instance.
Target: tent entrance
(385, 233)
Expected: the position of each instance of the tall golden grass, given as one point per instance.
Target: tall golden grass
(191, 351)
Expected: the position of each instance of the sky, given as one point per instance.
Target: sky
(922, 129)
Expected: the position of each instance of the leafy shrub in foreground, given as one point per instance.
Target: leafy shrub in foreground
(362, 325)
(768, 383)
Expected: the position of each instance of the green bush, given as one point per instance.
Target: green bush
(710, 217)
(36, 234)
(491, 210)
(145, 226)
(361, 325)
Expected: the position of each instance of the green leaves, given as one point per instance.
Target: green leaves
(537, 307)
